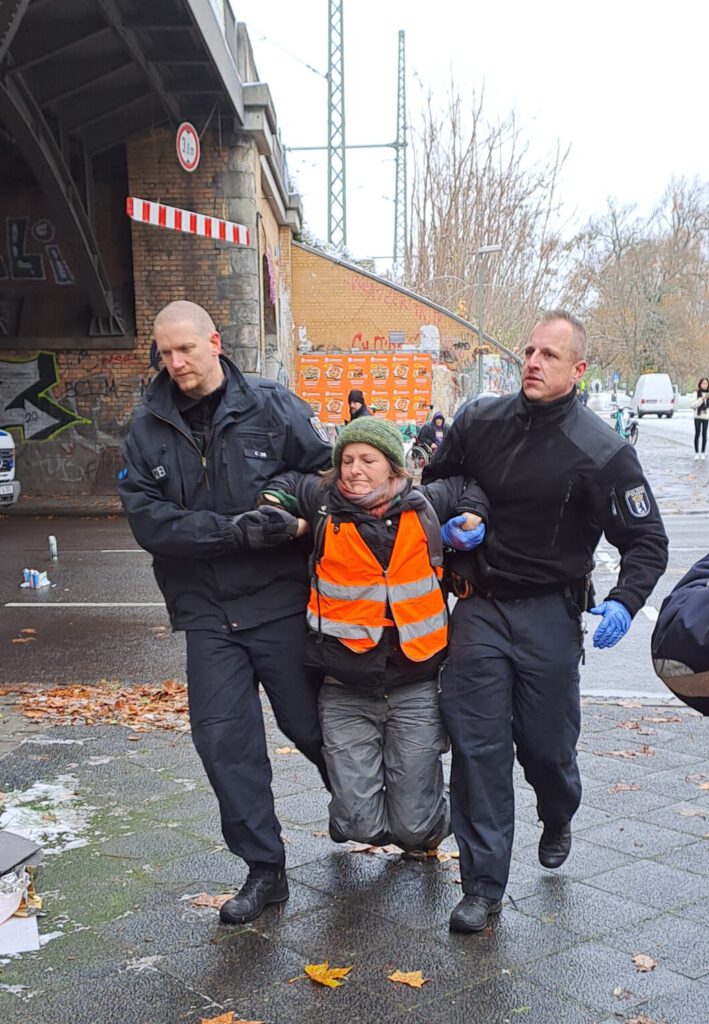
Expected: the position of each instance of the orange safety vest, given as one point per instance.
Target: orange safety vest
(350, 591)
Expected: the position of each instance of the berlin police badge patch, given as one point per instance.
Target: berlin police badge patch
(319, 429)
(638, 501)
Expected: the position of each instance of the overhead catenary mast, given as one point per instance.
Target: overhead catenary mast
(337, 146)
(400, 207)
(336, 176)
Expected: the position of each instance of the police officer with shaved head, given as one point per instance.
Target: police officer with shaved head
(557, 478)
(234, 578)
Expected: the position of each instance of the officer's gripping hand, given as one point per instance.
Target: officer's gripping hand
(614, 624)
(459, 534)
(265, 527)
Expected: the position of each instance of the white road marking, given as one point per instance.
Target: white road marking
(84, 604)
(122, 551)
(651, 612)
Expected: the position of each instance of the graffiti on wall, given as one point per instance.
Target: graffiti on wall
(22, 264)
(24, 402)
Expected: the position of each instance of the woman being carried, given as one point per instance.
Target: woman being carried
(378, 628)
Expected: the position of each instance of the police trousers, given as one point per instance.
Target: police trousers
(383, 756)
(511, 679)
(223, 673)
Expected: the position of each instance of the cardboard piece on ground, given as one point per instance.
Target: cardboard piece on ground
(19, 935)
(15, 850)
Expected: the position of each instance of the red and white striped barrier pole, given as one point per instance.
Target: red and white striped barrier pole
(160, 216)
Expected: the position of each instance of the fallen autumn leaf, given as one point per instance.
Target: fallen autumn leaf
(644, 963)
(381, 851)
(414, 979)
(228, 1018)
(205, 900)
(323, 974)
(162, 706)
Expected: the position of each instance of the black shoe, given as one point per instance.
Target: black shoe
(555, 845)
(472, 913)
(254, 896)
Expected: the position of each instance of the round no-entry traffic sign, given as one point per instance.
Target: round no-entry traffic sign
(187, 146)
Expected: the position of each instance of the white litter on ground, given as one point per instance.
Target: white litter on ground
(48, 813)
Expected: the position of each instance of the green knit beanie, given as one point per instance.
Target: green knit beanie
(381, 434)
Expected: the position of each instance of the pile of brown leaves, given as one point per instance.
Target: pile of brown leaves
(141, 708)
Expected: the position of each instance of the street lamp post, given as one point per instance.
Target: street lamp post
(482, 251)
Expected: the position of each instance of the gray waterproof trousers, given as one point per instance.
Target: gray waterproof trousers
(383, 757)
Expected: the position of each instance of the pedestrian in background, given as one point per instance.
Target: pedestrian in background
(357, 405)
(700, 404)
(378, 629)
(198, 453)
(556, 478)
(433, 432)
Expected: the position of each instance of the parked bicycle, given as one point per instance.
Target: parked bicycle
(418, 456)
(626, 423)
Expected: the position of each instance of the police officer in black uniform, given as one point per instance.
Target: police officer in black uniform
(199, 451)
(557, 478)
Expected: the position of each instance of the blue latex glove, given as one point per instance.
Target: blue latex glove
(462, 540)
(614, 624)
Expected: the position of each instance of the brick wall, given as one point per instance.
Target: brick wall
(95, 392)
(337, 308)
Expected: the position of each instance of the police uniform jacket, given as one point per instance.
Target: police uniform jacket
(557, 477)
(680, 639)
(180, 502)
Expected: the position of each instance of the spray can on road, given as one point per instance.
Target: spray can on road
(53, 552)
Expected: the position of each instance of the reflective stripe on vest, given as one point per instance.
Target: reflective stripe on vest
(349, 598)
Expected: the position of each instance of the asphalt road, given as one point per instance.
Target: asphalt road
(103, 618)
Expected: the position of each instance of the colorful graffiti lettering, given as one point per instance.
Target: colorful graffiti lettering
(24, 402)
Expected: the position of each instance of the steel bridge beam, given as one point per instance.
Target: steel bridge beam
(25, 121)
(11, 14)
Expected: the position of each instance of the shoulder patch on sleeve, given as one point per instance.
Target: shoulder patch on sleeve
(319, 429)
(638, 501)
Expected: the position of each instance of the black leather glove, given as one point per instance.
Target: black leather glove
(265, 527)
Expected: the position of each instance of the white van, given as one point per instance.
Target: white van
(655, 394)
(9, 487)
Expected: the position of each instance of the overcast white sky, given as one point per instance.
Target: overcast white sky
(625, 83)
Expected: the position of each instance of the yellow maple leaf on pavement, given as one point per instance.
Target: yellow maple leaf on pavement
(323, 974)
(414, 979)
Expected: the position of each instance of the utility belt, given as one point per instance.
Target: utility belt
(579, 596)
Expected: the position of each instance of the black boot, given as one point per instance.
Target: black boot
(555, 845)
(254, 896)
(472, 913)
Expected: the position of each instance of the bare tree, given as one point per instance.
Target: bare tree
(645, 284)
(474, 184)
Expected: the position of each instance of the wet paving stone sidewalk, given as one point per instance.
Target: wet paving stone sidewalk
(132, 837)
